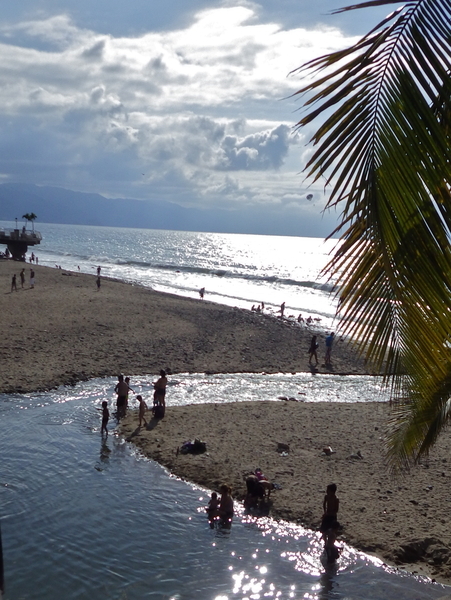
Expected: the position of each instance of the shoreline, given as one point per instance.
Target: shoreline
(64, 330)
(400, 520)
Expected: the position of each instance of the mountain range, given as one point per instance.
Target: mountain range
(59, 205)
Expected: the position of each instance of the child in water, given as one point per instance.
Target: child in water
(212, 508)
(225, 509)
(105, 417)
(142, 410)
(329, 523)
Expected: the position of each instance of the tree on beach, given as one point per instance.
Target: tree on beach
(30, 217)
(384, 149)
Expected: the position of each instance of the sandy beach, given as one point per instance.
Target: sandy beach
(64, 331)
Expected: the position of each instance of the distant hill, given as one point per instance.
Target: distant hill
(59, 205)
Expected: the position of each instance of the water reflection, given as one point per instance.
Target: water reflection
(105, 451)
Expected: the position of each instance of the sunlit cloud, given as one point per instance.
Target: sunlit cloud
(199, 114)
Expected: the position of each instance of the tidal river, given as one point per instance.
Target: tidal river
(89, 518)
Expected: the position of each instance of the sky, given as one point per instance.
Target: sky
(188, 101)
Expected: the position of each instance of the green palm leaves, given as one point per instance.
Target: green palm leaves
(385, 151)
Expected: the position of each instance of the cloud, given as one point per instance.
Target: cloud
(197, 109)
(258, 151)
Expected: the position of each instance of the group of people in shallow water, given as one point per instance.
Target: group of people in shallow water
(220, 510)
(259, 308)
(122, 391)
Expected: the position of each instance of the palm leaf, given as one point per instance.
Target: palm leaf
(385, 151)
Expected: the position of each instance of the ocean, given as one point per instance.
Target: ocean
(86, 517)
(236, 270)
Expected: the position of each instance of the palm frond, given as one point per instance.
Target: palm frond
(385, 150)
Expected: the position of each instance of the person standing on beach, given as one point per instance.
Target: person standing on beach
(31, 278)
(159, 395)
(142, 410)
(201, 293)
(282, 310)
(312, 351)
(13, 283)
(98, 283)
(98, 271)
(329, 342)
(22, 277)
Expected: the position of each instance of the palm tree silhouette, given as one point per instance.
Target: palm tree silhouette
(30, 217)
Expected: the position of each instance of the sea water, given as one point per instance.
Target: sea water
(235, 269)
(88, 517)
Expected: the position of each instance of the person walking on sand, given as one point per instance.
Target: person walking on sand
(13, 283)
(31, 278)
(312, 351)
(142, 409)
(201, 293)
(329, 342)
(22, 278)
